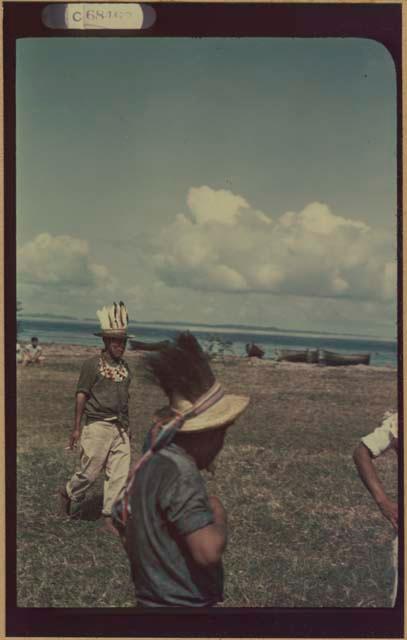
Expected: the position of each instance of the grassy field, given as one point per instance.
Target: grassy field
(303, 532)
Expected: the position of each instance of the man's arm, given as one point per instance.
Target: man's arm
(87, 378)
(207, 544)
(79, 409)
(367, 471)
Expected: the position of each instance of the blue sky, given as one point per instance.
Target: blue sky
(209, 180)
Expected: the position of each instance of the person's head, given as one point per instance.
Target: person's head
(183, 372)
(113, 324)
(203, 447)
(115, 347)
(34, 341)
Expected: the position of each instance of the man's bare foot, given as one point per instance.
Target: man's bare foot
(64, 502)
(108, 526)
(67, 507)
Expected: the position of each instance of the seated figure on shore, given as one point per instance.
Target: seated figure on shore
(173, 532)
(383, 438)
(32, 353)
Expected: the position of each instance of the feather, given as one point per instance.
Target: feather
(182, 367)
(110, 316)
(103, 316)
(113, 317)
(123, 314)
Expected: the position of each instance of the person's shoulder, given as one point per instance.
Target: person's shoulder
(184, 464)
(91, 363)
(178, 475)
(164, 468)
(381, 438)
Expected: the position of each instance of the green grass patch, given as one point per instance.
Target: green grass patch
(303, 532)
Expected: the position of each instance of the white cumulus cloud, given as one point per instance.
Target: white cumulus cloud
(224, 244)
(63, 262)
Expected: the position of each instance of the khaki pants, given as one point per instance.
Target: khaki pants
(103, 447)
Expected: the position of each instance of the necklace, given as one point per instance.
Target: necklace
(117, 374)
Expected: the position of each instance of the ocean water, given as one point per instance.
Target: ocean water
(383, 352)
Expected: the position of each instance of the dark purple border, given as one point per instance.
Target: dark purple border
(23, 19)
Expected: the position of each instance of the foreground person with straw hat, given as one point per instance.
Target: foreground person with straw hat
(102, 396)
(173, 532)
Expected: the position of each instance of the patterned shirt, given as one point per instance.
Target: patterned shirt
(106, 384)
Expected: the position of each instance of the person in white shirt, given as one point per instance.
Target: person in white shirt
(33, 353)
(371, 446)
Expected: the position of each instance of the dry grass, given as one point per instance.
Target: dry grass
(303, 531)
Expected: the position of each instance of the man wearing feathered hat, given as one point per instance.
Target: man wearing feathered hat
(102, 397)
(173, 532)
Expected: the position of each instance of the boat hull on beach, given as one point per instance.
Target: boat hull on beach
(334, 359)
(322, 356)
(297, 355)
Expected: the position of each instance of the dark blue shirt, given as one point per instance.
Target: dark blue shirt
(169, 501)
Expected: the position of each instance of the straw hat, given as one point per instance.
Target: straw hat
(113, 321)
(224, 411)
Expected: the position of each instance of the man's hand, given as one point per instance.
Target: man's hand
(74, 438)
(390, 511)
(80, 402)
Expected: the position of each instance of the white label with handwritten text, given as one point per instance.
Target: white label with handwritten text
(104, 16)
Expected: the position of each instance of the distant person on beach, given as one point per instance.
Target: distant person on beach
(371, 446)
(102, 397)
(32, 353)
(173, 532)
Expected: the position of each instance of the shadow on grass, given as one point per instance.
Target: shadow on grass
(92, 508)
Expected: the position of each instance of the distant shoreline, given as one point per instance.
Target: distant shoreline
(72, 350)
(215, 328)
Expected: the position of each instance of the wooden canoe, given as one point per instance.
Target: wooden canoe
(334, 359)
(297, 355)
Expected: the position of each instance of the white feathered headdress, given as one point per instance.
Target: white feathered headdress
(114, 321)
